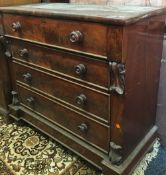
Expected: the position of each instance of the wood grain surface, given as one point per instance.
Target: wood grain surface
(17, 2)
(112, 14)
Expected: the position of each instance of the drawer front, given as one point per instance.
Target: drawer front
(83, 127)
(85, 99)
(82, 68)
(79, 36)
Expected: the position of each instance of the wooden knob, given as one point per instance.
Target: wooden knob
(14, 93)
(4, 41)
(76, 36)
(16, 26)
(30, 101)
(23, 53)
(27, 77)
(83, 127)
(80, 69)
(81, 99)
(8, 54)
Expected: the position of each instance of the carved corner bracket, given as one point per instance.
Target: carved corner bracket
(5, 42)
(117, 71)
(115, 154)
(15, 100)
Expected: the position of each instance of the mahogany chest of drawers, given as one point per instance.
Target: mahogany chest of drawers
(87, 76)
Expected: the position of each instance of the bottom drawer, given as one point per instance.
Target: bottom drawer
(89, 130)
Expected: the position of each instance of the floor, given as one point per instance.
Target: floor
(25, 151)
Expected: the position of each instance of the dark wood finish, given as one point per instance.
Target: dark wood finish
(61, 31)
(145, 77)
(62, 63)
(110, 114)
(116, 15)
(5, 85)
(161, 110)
(5, 82)
(66, 91)
(17, 2)
(66, 118)
(141, 82)
(56, 1)
(90, 154)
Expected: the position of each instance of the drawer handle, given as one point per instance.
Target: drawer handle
(4, 41)
(30, 101)
(23, 53)
(80, 69)
(27, 77)
(76, 36)
(83, 127)
(8, 54)
(81, 99)
(16, 26)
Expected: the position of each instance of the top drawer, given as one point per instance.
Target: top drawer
(84, 37)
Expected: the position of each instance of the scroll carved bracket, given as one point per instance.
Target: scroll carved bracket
(115, 154)
(15, 100)
(4, 43)
(117, 71)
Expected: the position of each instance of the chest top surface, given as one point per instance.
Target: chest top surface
(95, 13)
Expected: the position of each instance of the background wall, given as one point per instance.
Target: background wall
(123, 2)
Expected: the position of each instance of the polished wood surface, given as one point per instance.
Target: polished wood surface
(119, 15)
(17, 2)
(141, 82)
(87, 77)
(67, 119)
(61, 33)
(63, 63)
(5, 84)
(65, 91)
(161, 110)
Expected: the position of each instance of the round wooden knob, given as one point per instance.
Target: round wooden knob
(4, 41)
(76, 36)
(8, 54)
(83, 127)
(14, 93)
(81, 99)
(30, 101)
(27, 77)
(16, 26)
(80, 69)
(23, 53)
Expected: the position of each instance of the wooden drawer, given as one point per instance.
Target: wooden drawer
(79, 36)
(81, 97)
(82, 68)
(83, 127)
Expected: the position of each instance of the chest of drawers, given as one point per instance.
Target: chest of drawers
(87, 76)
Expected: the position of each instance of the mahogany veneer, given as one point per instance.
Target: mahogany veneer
(87, 76)
(17, 2)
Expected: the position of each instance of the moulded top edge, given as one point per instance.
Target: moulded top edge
(111, 14)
